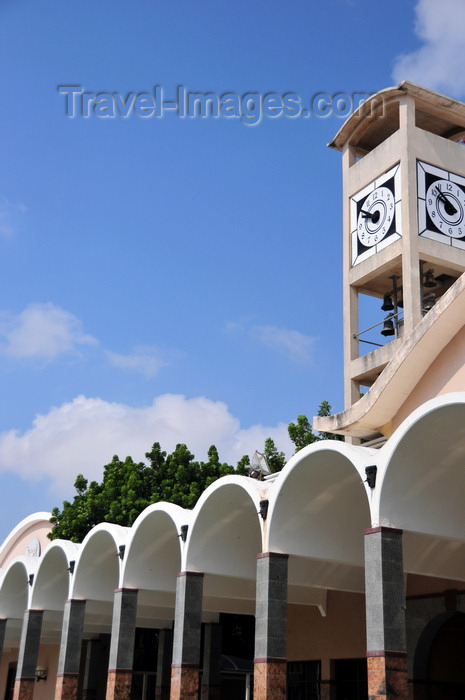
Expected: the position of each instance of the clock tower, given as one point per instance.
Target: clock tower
(403, 222)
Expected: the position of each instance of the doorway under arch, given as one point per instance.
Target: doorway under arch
(439, 667)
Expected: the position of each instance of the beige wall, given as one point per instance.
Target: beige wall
(339, 635)
(446, 374)
(17, 542)
(48, 658)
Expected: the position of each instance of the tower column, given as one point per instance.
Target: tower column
(185, 669)
(385, 615)
(270, 660)
(28, 653)
(123, 632)
(165, 655)
(70, 650)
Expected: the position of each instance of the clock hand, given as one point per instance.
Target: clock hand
(448, 206)
(374, 216)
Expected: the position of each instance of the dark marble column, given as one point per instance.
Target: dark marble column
(70, 650)
(270, 661)
(3, 622)
(185, 669)
(123, 630)
(385, 615)
(28, 653)
(165, 655)
(211, 662)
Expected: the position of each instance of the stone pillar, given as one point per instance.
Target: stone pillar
(28, 653)
(270, 661)
(185, 669)
(3, 622)
(165, 655)
(123, 631)
(385, 615)
(211, 662)
(70, 650)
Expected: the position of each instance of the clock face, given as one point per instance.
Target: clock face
(441, 205)
(376, 216)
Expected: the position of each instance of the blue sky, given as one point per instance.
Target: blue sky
(178, 279)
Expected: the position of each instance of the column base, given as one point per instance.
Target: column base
(387, 676)
(24, 689)
(185, 682)
(66, 687)
(270, 679)
(119, 684)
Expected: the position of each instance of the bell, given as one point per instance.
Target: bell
(430, 282)
(387, 303)
(388, 328)
(429, 301)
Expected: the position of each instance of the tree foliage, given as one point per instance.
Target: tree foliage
(128, 487)
(301, 432)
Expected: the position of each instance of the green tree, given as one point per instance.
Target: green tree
(129, 487)
(276, 460)
(301, 433)
(325, 410)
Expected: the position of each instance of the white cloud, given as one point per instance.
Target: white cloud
(84, 434)
(41, 330)
(297, 346)
(144, 359)
(11, 214)
(438, 63)
(294, 344)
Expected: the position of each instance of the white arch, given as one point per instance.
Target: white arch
(421, 487)
(15, 590)
(319, 505)
(421, 479)
(97, 571)
(226, 531)
(153, 552)
(52, 581)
